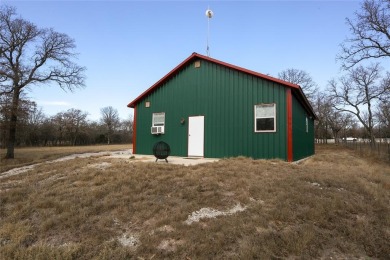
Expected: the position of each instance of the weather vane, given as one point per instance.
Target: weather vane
(209, 15)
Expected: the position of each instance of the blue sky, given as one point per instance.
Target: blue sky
(129, 45)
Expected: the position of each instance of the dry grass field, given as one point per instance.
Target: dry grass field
(32, 155)
(334, 205)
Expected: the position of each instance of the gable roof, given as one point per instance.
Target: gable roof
(296, 89)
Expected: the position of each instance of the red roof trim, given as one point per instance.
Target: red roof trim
(250, 72)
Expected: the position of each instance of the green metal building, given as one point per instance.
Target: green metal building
(208, 108)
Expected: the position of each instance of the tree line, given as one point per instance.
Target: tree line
(354, 105)
(70, 127)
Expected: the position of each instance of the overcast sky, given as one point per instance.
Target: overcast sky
(127, 46)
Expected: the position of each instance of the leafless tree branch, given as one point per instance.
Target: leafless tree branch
(301, 78)
(370, 34)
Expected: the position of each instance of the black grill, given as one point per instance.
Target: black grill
(161, 150)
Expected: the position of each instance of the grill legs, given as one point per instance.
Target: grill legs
(164, 159)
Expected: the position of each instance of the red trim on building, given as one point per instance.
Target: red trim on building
(198, 56)
(251, 72)
(135, 130)
(289, 126)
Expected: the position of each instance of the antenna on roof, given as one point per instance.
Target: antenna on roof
(209, 15)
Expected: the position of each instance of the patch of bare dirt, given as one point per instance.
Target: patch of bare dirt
(129, 240)
(170, 245)
(212, 213)
(100, 166)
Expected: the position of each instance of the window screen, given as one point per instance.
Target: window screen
(158, 119)
(265, 118)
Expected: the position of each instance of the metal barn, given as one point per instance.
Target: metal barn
(208, 108)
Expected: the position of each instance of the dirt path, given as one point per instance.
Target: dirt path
(24, 169)
(123, 154)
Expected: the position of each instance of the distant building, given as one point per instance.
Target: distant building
(208, 108)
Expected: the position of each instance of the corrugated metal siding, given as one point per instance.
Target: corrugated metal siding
(226, 98)
(303, 142)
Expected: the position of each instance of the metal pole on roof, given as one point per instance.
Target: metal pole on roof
(209, 15)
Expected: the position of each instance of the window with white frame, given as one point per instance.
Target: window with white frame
(158, 119)
(307, 125)
(265, 118)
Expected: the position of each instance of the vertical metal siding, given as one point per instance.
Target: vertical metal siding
(226, 98)
(303, 142)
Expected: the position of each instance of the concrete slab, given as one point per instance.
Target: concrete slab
(186, 161)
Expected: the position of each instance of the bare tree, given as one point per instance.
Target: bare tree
(57, 123)
(30, 56)
(301, 78)
(383, 115)
(74, 120)
(370, 34)
(126, 129)
(36, 122)
(339, 122)
(359, 92)
(29, 125)
(322, 108)
(23, 112)
(110, 119)
(331, 122)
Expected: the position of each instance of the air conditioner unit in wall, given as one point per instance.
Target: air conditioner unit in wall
(155, 130)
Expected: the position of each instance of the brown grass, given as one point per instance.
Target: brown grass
(381, 150)
(332, 205)
(32, 155)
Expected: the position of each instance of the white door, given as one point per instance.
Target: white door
(196, 136)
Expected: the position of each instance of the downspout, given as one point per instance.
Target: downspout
(290, 156)
(135, 130)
